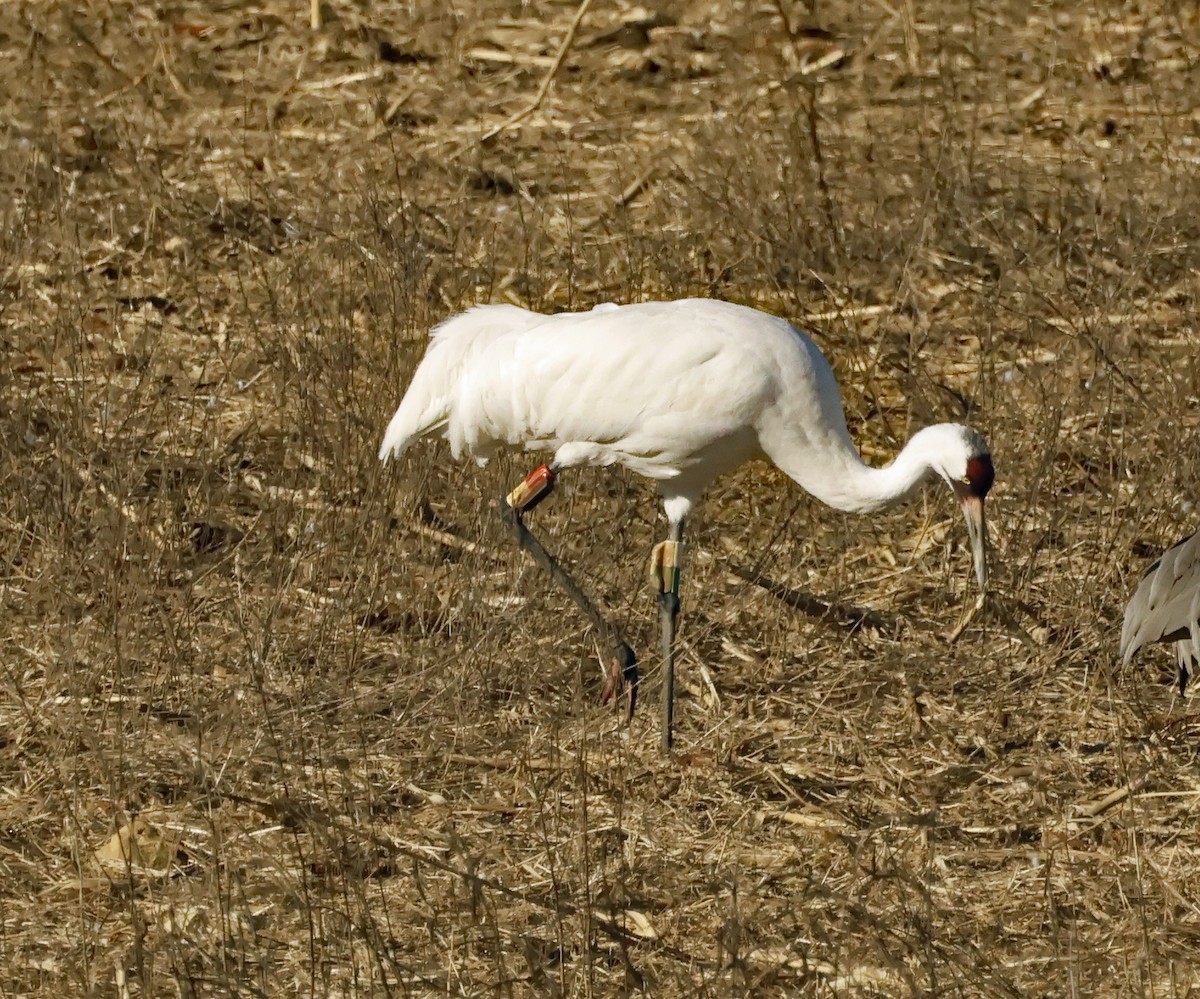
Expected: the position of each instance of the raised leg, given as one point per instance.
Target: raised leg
(665, 565)
(535, 488)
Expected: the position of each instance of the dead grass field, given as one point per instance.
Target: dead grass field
(351, 756)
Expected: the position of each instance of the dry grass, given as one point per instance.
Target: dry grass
(350, 756)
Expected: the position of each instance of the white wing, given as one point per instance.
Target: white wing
(660, 387)
(634, 386)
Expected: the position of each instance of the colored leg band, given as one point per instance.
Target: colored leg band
(665, 563)
(537, 486)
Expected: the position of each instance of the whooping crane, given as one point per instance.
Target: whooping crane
(679, 392)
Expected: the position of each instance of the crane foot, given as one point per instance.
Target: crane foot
(621, 680)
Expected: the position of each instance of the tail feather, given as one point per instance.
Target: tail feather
(409, 424)
(426, 406)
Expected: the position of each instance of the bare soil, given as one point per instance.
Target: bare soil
(275, 720)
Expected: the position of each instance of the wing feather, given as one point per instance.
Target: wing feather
(1166, 605)
(627, 386)
(428, 404)
(672, 390)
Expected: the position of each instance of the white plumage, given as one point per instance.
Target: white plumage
(631, 386)
(1166, 608)
(679, 392)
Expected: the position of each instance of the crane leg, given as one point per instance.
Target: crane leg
(665, 565)
(623, 673)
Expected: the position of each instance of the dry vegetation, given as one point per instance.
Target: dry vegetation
(344, 752)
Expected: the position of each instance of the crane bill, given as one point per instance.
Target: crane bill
(977, 531)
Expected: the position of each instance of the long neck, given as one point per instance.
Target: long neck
(830, 468)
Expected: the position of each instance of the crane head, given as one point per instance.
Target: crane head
(972, 487)
(963, 460)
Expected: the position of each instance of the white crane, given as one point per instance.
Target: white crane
(680, 392)
(1166, 608)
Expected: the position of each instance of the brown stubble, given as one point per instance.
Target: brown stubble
(357, 733)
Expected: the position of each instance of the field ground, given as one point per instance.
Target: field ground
(275, 720)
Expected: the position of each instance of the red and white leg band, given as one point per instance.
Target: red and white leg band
(537, 486)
